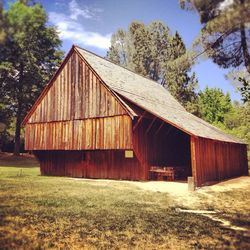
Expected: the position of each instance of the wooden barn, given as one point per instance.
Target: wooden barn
(96, 119)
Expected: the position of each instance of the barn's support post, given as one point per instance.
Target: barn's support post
(191, 185)
(193, 161)
(245, 159)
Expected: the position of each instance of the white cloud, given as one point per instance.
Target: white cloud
(85, 11)
(69, 27)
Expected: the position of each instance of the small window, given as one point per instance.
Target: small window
(129, 154)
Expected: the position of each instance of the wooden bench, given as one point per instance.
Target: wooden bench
(166, 173)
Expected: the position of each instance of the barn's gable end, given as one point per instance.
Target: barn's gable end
(77, 111)
(76, 93)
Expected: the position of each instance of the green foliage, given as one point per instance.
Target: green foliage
(152, 51)
(225, 35)
(214, 105)
(244, 89)
(141, 48)
(233, 118)
(176, 77)
(237, 121)
(29, 55)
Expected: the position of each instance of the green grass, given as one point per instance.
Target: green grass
(38, 212)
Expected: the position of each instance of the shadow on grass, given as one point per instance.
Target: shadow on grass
(22, 161)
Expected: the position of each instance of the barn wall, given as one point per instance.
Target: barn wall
(106, 164)
(76, 93)
(101, 133)
(215, 161)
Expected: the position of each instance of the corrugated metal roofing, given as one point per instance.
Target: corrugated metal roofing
(152, 97)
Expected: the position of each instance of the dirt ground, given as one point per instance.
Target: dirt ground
(188, 199)
(181, 188)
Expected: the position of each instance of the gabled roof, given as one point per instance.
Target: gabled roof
(152, 97)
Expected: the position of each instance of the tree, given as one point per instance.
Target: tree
(141, 48)
(29, 55)
(117, 51)
(214, 105)
(225, 34)
(244, 90)
(240, 79)
(237, 121)
(176, 77)
(152, 51)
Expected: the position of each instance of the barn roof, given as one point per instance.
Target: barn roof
(152, 97)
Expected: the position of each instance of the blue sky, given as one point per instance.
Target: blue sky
(90, 23)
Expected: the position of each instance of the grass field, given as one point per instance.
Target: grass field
(38, 212)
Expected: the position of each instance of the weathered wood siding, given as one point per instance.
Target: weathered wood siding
(78, 112)
(104, 164)
(215, 161)
(76, 93)
(101, 133)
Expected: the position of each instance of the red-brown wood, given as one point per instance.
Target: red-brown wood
(213, 161)
(90, 164)
(113, 132)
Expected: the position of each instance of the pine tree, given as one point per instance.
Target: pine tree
(225, 35)
(177, 80)
(138, 48)
(158, 39)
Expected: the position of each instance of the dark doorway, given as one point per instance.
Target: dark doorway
(169, 154)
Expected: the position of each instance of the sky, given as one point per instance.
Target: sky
(90, 24)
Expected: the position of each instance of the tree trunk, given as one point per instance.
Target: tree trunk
(17, 132)
(19, 112)
(246, 55)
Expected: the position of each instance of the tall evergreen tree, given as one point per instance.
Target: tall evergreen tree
(158, 42)
(177, 80)
(152, 51)
(28, 57)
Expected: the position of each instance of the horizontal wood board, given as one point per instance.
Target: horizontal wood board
(101, 133)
